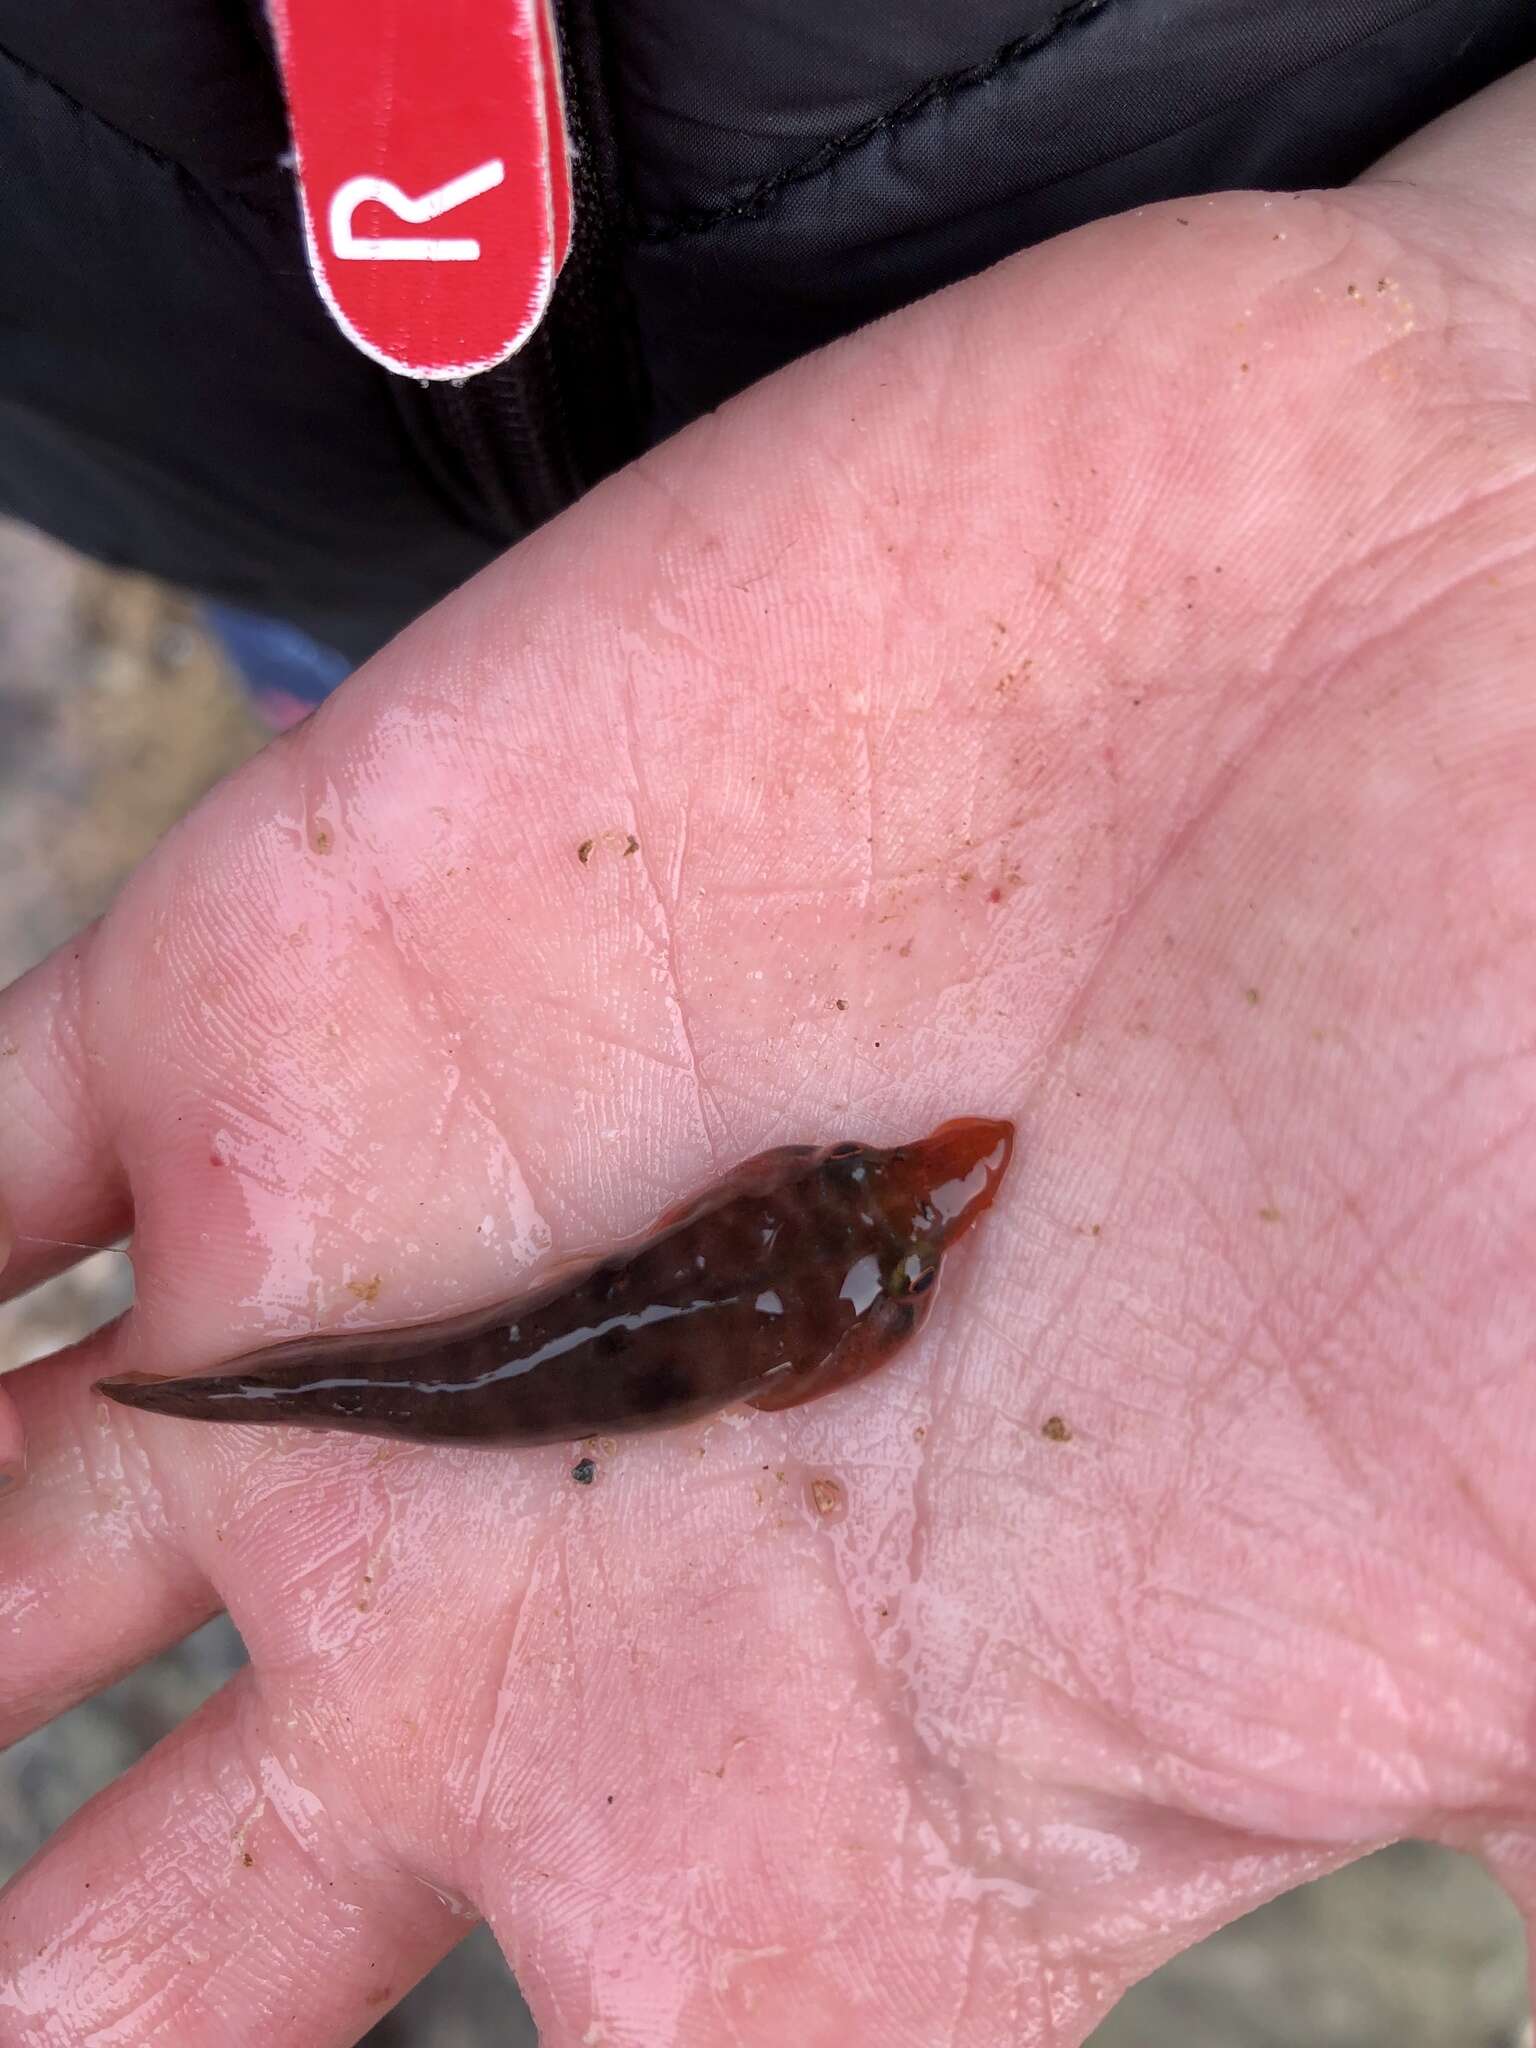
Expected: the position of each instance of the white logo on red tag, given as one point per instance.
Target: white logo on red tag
(433, 169)
(355, 248)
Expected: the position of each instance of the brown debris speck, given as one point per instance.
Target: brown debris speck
(622, 843)
(827, 1497)
(1056, 1430)
(366, 1290)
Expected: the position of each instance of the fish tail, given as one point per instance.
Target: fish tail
(251, 1397)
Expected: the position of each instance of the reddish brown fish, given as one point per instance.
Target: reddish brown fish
(800, 1271)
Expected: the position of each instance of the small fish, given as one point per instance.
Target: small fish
(798, 1272)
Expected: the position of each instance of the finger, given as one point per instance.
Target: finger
(1486, 147)
(210, 1896)
(94, 1575)
(59, 1177)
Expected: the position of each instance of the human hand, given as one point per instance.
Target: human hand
(1100, 695)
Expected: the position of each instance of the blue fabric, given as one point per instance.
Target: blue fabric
(272, 655)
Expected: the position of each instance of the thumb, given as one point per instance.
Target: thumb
(62, 1189)
(1485, 148)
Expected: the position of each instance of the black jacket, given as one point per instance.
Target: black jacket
(753, 177)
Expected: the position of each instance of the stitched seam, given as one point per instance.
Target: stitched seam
(133, 142)
(762, 195)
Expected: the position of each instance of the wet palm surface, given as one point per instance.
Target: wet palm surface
(114, 715)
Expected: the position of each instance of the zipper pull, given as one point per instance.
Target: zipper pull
(430, 146)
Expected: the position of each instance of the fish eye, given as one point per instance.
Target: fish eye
(923, 1281)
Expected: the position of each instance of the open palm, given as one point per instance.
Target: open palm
(1099, 696)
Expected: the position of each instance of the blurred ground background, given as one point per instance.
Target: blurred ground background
(115, 714)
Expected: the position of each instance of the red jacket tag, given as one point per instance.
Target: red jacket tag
(429, 140)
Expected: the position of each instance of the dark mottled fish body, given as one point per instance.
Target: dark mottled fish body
(799, 1271)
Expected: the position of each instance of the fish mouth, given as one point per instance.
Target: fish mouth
(963, 1162)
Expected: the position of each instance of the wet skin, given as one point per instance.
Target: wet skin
(798, 1272)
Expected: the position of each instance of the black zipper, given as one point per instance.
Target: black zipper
(510, 446)
(508, 429)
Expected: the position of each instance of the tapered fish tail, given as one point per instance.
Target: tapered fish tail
(282, 1396)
